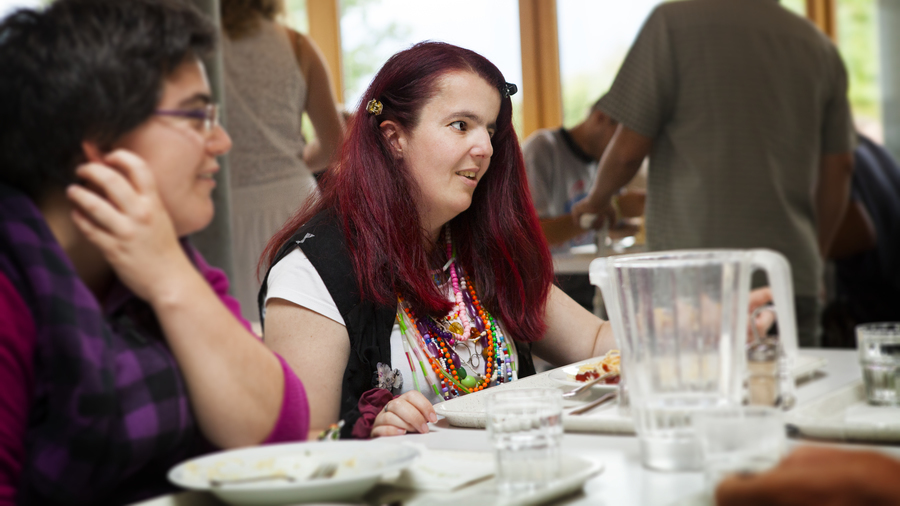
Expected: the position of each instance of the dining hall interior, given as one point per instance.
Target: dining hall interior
(205, 339)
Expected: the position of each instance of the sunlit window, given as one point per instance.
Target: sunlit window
(297, 17)
(798, 6)
(373, 30)
(857, 38)
(594, 37)
(7, 6)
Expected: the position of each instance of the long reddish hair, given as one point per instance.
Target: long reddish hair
(498, 238)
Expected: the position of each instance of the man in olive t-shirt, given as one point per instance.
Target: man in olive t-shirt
(742, 107)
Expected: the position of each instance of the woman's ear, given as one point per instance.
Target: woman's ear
(92, 151)
(393, 134)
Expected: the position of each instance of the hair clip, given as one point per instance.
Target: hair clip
(374, 107)
(508, 90)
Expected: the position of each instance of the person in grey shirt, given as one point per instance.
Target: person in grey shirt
(561, 165)
(742, 107)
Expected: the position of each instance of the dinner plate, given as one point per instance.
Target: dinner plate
(360, 464)
(566, 375)
(844, 415)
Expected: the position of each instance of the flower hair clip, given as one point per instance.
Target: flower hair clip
(508, 90)
(374, 106)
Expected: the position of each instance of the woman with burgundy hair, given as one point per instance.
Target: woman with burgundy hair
(426, 221)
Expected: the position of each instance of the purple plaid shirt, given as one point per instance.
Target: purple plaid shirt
(109, 413)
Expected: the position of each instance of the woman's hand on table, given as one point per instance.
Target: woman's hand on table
(409, 412)
(816, 476)
(118, 208)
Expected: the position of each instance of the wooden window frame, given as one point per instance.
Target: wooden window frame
(541, 80)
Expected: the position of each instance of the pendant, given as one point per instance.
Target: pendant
(456, 328)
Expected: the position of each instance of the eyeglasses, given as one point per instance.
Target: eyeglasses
(208, 115)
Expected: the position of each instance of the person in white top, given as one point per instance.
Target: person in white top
(273, 75)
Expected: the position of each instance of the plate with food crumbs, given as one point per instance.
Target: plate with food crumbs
(580, 373)
(293, 473)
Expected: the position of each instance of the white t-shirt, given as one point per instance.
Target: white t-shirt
(294, 279)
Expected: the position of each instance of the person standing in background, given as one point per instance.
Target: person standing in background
(865, 250)
(561, 165)
(742, 107)
(273, 75)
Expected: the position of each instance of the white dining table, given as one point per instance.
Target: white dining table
(624, 481)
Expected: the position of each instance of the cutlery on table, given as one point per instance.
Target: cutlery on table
(584, 409)
(323, 471)
(575, 392)
(252, 479)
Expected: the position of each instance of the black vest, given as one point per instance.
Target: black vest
(368, 323)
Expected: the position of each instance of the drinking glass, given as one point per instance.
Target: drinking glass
(879, 356)
(525, 428)
(741, 439)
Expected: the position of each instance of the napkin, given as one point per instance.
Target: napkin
(445, 470)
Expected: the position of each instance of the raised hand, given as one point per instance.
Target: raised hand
(117, 207)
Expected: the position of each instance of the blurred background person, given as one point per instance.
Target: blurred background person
(866, 248)
(561, 165)
(121, 352)
(742, 106)
(273, 75)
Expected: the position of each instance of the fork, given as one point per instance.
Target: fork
(584, 409)
(575, 392)
(280, 475)
(324, 471)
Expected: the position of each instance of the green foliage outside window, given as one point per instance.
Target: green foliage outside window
(857, 25)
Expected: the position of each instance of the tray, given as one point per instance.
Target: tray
(468, 411)
(844, 415)
(575, 472)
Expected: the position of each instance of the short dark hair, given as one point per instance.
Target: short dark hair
(85, 70)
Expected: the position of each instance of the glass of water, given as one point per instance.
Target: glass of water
(879, 356)
(740, 439)
(525, 428)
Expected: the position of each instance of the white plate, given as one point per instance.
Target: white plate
(575, 472)
(360, 465)
(468, 410)
(565, 375)
(844, 415)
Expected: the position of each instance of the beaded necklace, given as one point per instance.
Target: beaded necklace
(467, 325)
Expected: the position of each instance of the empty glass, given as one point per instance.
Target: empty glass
(525, 428)
(742, 440)
(879, 356)
(680, 319)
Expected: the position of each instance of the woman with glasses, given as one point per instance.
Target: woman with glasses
(121, 353)
(273, 75)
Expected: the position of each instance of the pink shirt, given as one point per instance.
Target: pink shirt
(17, 341)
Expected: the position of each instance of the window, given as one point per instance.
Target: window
(594, 37)
(373, 30)
(7, 6)
(798, 6)
(857, 40)
(296, 16)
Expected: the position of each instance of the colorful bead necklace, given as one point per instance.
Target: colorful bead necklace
(435, 341)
